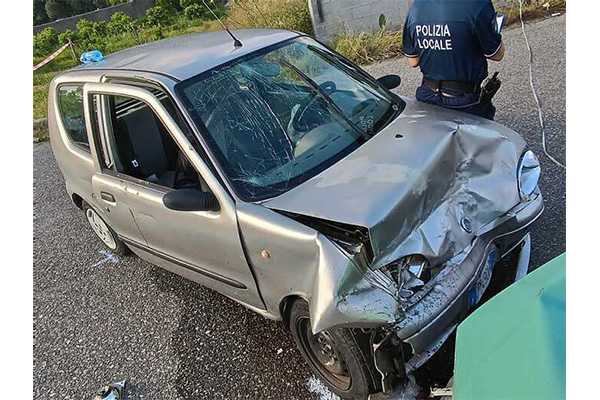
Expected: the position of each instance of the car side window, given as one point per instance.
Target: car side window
(143, 148)
(70, 105)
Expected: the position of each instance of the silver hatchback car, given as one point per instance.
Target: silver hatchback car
(286, 178)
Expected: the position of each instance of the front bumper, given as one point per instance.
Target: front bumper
(445, 301)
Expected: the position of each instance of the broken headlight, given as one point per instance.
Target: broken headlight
(410, 274)
(528, 174)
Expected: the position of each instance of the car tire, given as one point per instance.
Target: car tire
(104, 232)
(354, 376)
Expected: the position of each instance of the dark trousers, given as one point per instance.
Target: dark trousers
(460, 101)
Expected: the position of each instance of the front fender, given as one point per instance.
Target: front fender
(289, 258)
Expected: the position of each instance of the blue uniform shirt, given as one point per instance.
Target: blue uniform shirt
(453, 38)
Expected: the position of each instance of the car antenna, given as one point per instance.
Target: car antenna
(236, 41)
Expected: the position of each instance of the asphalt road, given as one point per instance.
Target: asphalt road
(97, 318)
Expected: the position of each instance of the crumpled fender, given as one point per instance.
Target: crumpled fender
(306, 264)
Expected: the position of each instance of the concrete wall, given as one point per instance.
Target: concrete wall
(332, 17)
(134, 8)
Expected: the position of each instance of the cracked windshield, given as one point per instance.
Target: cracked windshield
(278, 118)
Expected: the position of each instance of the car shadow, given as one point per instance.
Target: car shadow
(227, 351)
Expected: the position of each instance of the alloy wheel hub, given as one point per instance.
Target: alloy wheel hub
(101, 229)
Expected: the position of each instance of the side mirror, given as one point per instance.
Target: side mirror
(190, 200)
(390, 81)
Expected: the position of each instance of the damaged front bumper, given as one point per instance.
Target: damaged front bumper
(434, 312)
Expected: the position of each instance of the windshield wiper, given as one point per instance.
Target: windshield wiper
(328, 100)
(349, 69)
(355, 72)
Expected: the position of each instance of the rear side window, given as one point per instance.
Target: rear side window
(70, 105)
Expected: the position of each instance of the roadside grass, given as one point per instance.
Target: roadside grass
(65, 61)
(532, 9)
(292, 15)
(366, 48)
(40, 101)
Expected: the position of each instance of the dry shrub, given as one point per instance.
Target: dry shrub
(366, 48)
(531, 9)
(278, 14)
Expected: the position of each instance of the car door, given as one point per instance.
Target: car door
(204, 246)
(109, 191)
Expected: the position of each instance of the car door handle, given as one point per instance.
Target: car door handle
(107, 197)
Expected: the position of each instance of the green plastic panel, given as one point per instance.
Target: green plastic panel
(513, 346)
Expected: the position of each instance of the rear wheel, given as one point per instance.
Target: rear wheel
(334, 355)
(106, 235)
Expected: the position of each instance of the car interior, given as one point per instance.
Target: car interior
(144, 149)
(260, 124)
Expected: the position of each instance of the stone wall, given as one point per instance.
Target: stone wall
(133, 8)
(332, 17)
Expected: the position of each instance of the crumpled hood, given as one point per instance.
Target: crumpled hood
(426, 184)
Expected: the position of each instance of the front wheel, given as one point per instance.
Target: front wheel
(108, 237)
(334, 355)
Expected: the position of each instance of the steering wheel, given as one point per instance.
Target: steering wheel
(328, 87)
(298, 121)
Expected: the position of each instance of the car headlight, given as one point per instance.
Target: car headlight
(528, 174)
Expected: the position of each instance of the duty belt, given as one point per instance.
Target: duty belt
(457, 86)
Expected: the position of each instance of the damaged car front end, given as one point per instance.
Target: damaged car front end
(400, 238)
(367, 219)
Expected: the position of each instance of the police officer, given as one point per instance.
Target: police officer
(451, 41)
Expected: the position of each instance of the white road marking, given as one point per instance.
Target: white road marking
(108, 257)
(317, 387)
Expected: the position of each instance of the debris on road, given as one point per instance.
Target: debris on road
(318, 388)
(113, 391)
(108, 257)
